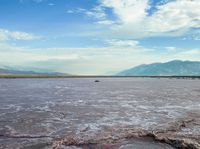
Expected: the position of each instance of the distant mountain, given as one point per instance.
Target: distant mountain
(10, 71)
(172, 68)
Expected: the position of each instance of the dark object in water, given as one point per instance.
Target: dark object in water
(96, 81)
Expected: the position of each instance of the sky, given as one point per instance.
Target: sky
(97, 37)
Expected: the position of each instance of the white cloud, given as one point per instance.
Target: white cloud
(105, 22)
(16, 35)
(97, 13)
(66, 57)
(78, 11)
(197, 38)
(172, 18)
(37, 1)
(11, 54)
(171, 48)
(190, 52)
(187, 54)
(195, 35)
(128, 11)
(176, 15)
(51, 4)
(123, 43)
(70, 11)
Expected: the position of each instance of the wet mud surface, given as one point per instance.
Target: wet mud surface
(116, 113)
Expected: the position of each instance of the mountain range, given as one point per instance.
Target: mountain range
(171, 68)
(4, 70)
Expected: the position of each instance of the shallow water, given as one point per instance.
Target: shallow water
(36, 112)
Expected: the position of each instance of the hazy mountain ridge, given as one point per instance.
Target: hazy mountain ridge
(5, 70)
(171, 68)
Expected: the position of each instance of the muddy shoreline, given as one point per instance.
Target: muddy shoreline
(167, 136)
(114, 141)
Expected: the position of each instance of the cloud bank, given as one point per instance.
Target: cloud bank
(139, 19)
(16, 35)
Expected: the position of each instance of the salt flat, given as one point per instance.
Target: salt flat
(114, 113)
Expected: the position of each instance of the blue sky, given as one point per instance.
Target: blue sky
(97, 36)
